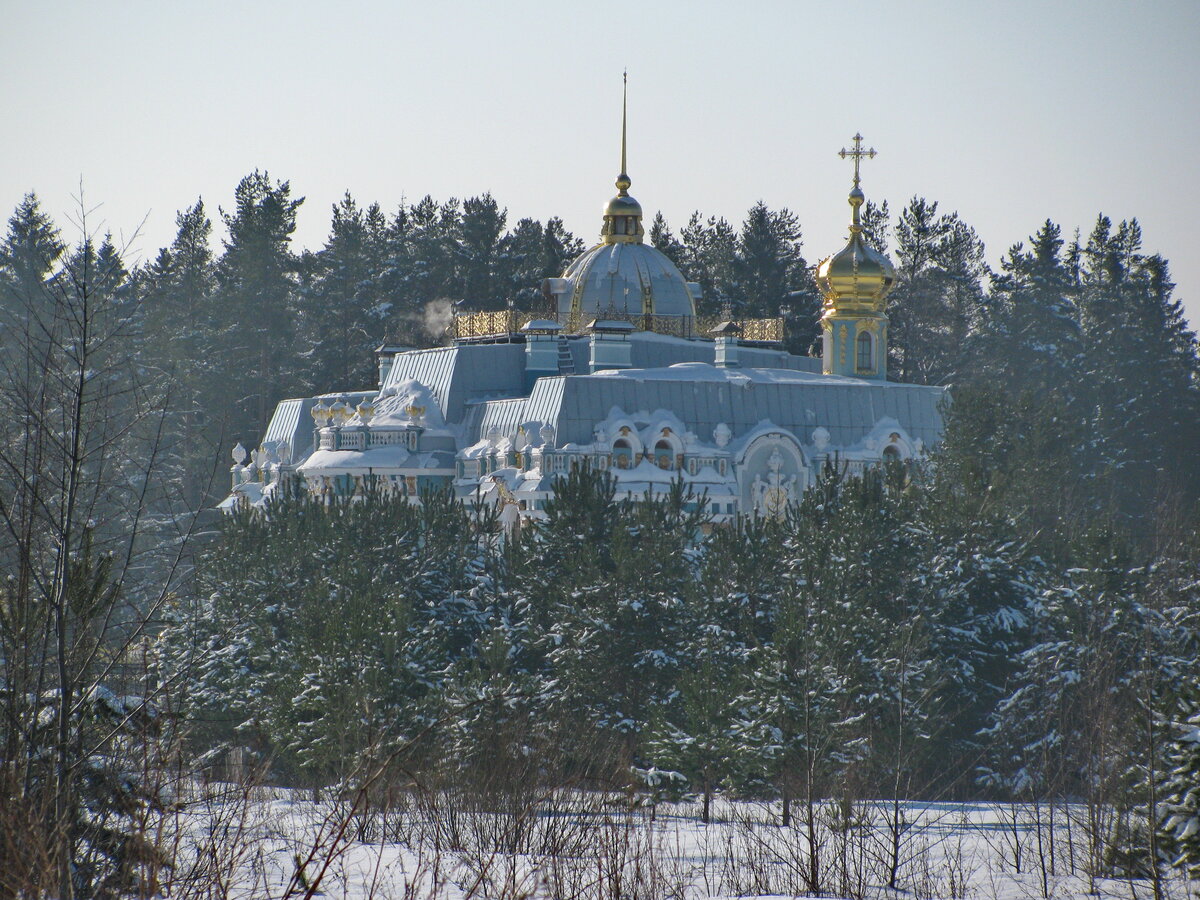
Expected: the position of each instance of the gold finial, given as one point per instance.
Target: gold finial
(623, 181)
(857, 154)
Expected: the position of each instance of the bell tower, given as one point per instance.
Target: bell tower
(854, 285)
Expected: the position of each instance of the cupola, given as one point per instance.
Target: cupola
(623, 214)
(623, 272)
(854, 285)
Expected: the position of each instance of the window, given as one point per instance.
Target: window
(866, 361)
(622, 454)
(664, 455)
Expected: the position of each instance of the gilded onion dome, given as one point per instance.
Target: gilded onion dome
(858, 276)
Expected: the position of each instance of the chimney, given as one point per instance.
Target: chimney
(725, 355)
(609, 345)
(541, 349)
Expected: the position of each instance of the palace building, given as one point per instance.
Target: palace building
(619, 372)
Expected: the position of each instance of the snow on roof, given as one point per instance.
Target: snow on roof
(358, 462)
(701, 371)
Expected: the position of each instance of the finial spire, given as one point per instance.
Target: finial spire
(623, 181)
(858, 154)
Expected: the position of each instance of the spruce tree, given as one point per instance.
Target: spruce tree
(663, 240)
(28, 254)
(709, 254)
(1179, 790)
(769, 265)
(478, 252)
(1139, 377)
(178, 296)
(341, 307)
(257, 278)
(938, 300)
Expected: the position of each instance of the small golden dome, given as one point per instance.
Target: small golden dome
(623, 205)
(859, 276)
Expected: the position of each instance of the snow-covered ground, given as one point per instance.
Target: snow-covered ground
(278, 844)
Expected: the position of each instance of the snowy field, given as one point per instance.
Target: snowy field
(278, 844)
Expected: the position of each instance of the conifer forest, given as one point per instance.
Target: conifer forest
(1013, 622)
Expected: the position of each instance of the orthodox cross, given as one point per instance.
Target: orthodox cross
(857, 154)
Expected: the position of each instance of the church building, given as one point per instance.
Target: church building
(617, 371)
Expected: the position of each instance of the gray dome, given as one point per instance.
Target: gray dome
(625, 276)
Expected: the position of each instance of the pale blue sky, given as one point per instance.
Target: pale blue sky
(1007, 112)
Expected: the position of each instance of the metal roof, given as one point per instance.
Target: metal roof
(846, 407)
(621, 276)
(456, 375)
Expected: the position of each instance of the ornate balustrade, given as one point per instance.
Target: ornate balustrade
(508, 322)
(487, 324)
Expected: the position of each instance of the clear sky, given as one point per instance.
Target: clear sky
(1008, 112)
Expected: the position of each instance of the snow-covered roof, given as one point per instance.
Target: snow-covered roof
(702, 396)
(376, 460)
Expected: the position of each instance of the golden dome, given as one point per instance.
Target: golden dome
(858, 275)
(623, 205)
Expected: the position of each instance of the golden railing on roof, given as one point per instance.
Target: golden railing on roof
(766, 331)
(486, 324)
(499, 323)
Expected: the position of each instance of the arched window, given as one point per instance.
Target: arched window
(664, 455)
(891, 453)
(866, 356)
(622, 454)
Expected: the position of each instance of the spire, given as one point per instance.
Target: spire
(623, 181)
(623, 214)
(854, 285)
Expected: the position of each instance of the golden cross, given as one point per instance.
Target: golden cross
(857, 154)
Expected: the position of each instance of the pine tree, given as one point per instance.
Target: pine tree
(709, 735)
(327, 630)
(980, 583)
